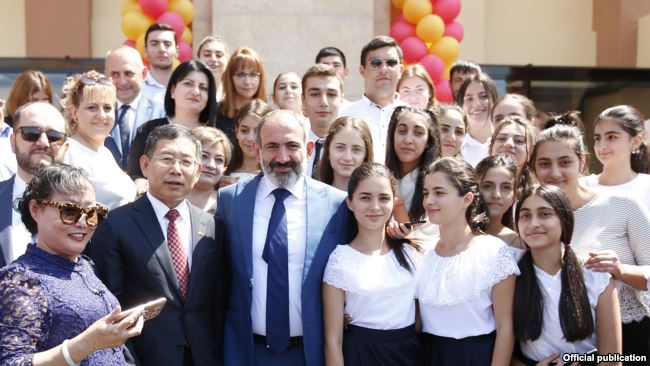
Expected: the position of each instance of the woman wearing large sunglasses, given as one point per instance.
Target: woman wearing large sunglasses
(89, 109)
(53, 309)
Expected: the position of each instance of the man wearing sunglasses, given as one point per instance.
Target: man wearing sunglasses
(381, 67)
(38, 139)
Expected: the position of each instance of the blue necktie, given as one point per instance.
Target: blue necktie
(276, 256)
(122, 124)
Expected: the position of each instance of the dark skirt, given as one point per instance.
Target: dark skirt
(636, 339)
(366, 347)
(470, 351)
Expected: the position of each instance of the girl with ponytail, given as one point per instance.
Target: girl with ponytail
(559, 306)
(620, 146)
(611, 231)
(466, 283)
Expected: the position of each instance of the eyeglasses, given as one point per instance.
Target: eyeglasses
(168, 161)
(251, 76)
(70, 213)
(377, 62)
(32, 134)
(87, 80)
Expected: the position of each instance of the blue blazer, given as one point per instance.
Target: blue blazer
(328, 224)
(6, 191)
(147, 110)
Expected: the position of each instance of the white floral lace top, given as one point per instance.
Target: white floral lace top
(379, 292)
(455, 293)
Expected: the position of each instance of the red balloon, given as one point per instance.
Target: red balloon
(402, 30)
(184, 51)
(443, 91)
(434, 66)
(129, 43)
(174, 20)
(455, 30)
(400, 17)
(448, 10)
(413, 49)
(153, 8)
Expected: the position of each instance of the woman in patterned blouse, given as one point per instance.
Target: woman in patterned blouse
(53, 309)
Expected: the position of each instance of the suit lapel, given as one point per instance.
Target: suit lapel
(198, 225)
(145, 217)
(316, 201)
(6, 192)
(245, 209)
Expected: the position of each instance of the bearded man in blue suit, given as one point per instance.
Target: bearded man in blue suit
(281, 227)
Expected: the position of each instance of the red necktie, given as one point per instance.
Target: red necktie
(179, 256)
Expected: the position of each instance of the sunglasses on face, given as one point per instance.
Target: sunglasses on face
(70, 213)
(87, 80)
(377, 62)
(32, 134)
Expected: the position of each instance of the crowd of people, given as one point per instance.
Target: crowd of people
(300, 228)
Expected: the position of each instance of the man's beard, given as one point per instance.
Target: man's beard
(24, 160)
(284, 180)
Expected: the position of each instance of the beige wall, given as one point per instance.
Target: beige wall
(289, 33)
(105, 27)
(12, 27)
(521, 32)
(643, 42)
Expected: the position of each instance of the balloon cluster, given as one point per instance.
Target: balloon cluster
(138, 15)
(429, 35)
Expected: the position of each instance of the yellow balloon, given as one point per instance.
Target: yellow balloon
(184, 8)
(187, 35)
(398, 3)
(175, 63)
(129, 6)
(446, 74)
(430, 28)
(414, 10)
(135, 23)
(447, 48)
(139, 45)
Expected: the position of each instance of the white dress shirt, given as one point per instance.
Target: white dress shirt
(310, 162)
(153, 90)
(377, 119)
(296, 209)
(129, 116)
(20, 236)
(183, 223)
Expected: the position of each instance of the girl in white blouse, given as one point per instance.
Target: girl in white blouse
(559, 307)
(466, 283)
(612, 232)
(620, 147)
(372, 280)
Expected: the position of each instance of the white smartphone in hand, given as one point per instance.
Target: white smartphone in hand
(150, 310)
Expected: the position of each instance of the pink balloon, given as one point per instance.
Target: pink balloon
(454, 29)
(184, 51)
(414, 49)
(448, 10)
(153, 8)
(443, 92)
(174, 20)
(400, 17)
(402, 30)
(129, 43)
(434, 66)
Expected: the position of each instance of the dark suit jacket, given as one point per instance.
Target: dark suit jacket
(6, 192)
(133, 260)
(328, 224)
